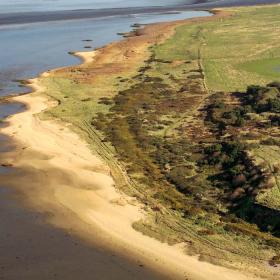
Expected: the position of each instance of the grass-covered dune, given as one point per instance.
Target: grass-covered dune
(183, 130)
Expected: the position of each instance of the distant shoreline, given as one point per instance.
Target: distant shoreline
(33, 17)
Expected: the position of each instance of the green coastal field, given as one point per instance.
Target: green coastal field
(193, 133)
(236, 52)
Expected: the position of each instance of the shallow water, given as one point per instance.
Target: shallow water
(7, 109)
(6, 145)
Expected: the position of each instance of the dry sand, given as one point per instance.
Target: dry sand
(75, 188)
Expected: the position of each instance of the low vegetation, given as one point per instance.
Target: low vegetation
(236, 52)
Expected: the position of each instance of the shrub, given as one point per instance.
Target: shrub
(274, 84)
(273, 105)
(275, 120)
(105, 101)
(239, 180)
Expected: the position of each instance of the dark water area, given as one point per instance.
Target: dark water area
(10, 108)
(6, 144)
(57, 5)
(5, 170)
(24, 6)
(93, 9)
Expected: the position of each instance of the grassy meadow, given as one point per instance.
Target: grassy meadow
(236, 52)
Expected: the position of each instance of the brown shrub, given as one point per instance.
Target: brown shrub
(239, 180)
(237, 193)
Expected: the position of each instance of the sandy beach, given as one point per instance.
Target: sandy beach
(76, 189)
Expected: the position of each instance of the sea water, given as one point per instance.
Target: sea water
(8, 6)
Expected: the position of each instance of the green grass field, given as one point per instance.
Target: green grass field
(267, 67)
(235, 52)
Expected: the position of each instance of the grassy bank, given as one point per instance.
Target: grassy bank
(198, 158)
(236, 52)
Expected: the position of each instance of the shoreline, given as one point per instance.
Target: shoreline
(59, 15)
(89, 193)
